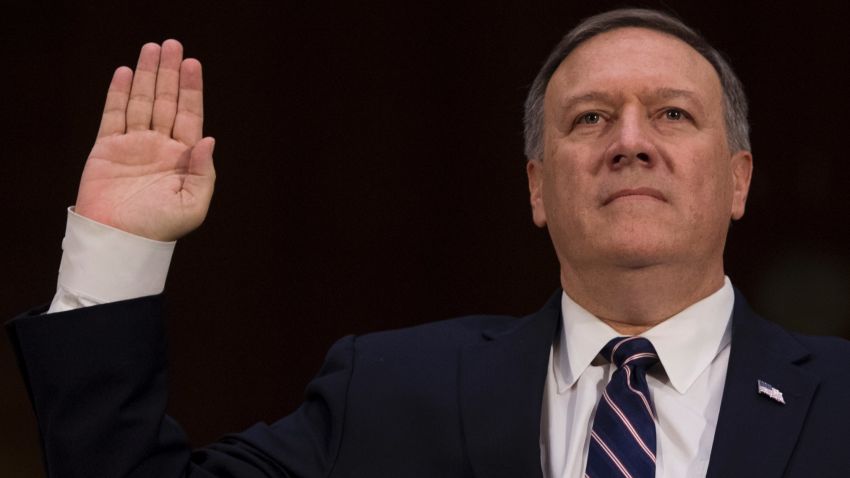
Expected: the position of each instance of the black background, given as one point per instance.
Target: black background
(371, 176)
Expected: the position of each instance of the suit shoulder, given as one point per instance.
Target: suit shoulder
(450, 333)
(453, 334)
(833, 352)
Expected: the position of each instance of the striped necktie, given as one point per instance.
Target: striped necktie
(622, 440)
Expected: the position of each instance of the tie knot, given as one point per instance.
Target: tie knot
(634, 351)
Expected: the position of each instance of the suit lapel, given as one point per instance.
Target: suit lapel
(755, 434)
(501, 395)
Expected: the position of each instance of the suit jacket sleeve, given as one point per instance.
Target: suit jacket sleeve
(97, 381)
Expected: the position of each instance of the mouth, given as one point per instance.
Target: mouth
(636, 192)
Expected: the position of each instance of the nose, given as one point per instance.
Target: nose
(632, 143)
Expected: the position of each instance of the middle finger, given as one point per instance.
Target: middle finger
(140, 106)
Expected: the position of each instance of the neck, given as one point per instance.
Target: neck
(633, 300)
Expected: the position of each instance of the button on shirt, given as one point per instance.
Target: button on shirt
(686, 386)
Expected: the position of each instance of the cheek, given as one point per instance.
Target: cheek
(567, 182)
(572, 162)
(711, 188)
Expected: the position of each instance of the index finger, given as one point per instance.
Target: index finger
(188, 125)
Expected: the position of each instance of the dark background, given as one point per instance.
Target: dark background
(371, 176)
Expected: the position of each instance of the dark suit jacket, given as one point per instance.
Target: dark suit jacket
(459, 398)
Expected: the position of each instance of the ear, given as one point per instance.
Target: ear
(742, 173)
(534, 169)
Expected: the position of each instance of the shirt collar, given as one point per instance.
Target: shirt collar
(686, 342)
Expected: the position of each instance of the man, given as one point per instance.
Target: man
(638, 157)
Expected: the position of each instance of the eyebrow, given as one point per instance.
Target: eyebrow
(673, 93)
(590, 96)
(664, 93)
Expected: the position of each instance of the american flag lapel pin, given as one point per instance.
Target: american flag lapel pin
(771, 391)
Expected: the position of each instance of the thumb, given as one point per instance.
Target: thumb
(201, 160)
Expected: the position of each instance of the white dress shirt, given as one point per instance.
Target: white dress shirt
(685, 387)
(101, 264)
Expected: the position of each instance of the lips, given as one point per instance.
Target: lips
(647, 192)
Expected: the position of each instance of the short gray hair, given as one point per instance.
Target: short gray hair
(734, 100)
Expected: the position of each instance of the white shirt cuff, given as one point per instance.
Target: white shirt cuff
(102, 264)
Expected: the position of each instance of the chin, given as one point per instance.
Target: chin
(637, 252)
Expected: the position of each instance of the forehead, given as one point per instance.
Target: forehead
(631, 60)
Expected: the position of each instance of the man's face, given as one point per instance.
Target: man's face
(636, 169)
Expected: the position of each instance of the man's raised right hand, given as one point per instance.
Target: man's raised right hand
(150, 172)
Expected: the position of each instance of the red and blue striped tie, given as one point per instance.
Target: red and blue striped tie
(622, 440)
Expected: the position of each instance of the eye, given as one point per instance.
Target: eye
(590, 117)
(674, 114)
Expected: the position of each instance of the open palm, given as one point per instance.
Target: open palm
(150, 172)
